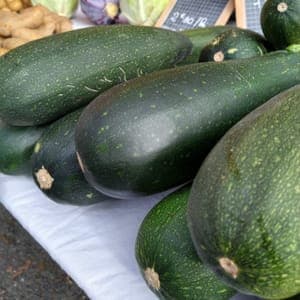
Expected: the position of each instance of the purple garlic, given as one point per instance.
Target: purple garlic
(101, 11)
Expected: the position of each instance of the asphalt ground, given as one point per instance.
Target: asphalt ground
(26, 270)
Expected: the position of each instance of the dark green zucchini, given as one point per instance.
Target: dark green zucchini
(152, 133)
(167, 258)
(55, 167)
(45, 79)
(200, 37)
(16, 147)
(233, 44)
(244, 206)
(280, 22)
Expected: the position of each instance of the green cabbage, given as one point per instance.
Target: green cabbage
(62, 7)
(142, 12)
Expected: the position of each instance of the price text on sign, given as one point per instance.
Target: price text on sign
(189, 20)
(188, 14)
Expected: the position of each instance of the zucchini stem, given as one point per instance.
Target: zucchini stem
(219, 56)
(229, 267)
(152, 278)
(282, 7)
(44, 179)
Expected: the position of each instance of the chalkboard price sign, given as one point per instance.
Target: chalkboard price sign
(248, 14)
(188, 14)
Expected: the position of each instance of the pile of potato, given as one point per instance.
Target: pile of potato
(19, 26)
(14, 5)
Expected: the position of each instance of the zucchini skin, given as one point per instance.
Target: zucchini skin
(281, 29)
(244, 203)
(152, 133)
(164, 245)
(234, 44)
(55, 152)
(45, 79)
(16, 147)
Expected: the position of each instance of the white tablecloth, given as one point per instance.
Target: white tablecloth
(95, 244)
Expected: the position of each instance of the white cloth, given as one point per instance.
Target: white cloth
(94, 244)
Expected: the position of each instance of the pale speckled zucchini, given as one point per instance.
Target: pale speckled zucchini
(45, 79)
(244, 206)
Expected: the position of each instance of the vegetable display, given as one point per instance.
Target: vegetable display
(128, 111)
(244, 206)
(167, 258)
(152, 133)
(69, 70)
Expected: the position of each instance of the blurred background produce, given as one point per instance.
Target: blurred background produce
(143, 12)
(14, 5)
(29, 24)
(102, 11)
(61, 7)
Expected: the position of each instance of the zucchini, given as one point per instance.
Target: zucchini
(152, 133)
(200, 37)
(244, 208)
(167, 258)
(45, 79)
(233, 44)
(16, 144)
(280, 22)
(55, 167)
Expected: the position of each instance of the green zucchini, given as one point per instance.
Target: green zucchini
(233, 44)
(152, 133)
(200, 37)
(45, 79)
(166, 256)
(55, 168)
(244, 208)
(16, 144)
(280, 22)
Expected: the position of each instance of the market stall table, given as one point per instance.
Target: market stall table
(94, 244)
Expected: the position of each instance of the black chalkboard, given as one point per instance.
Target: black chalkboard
(188, 14)
(248, 14)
